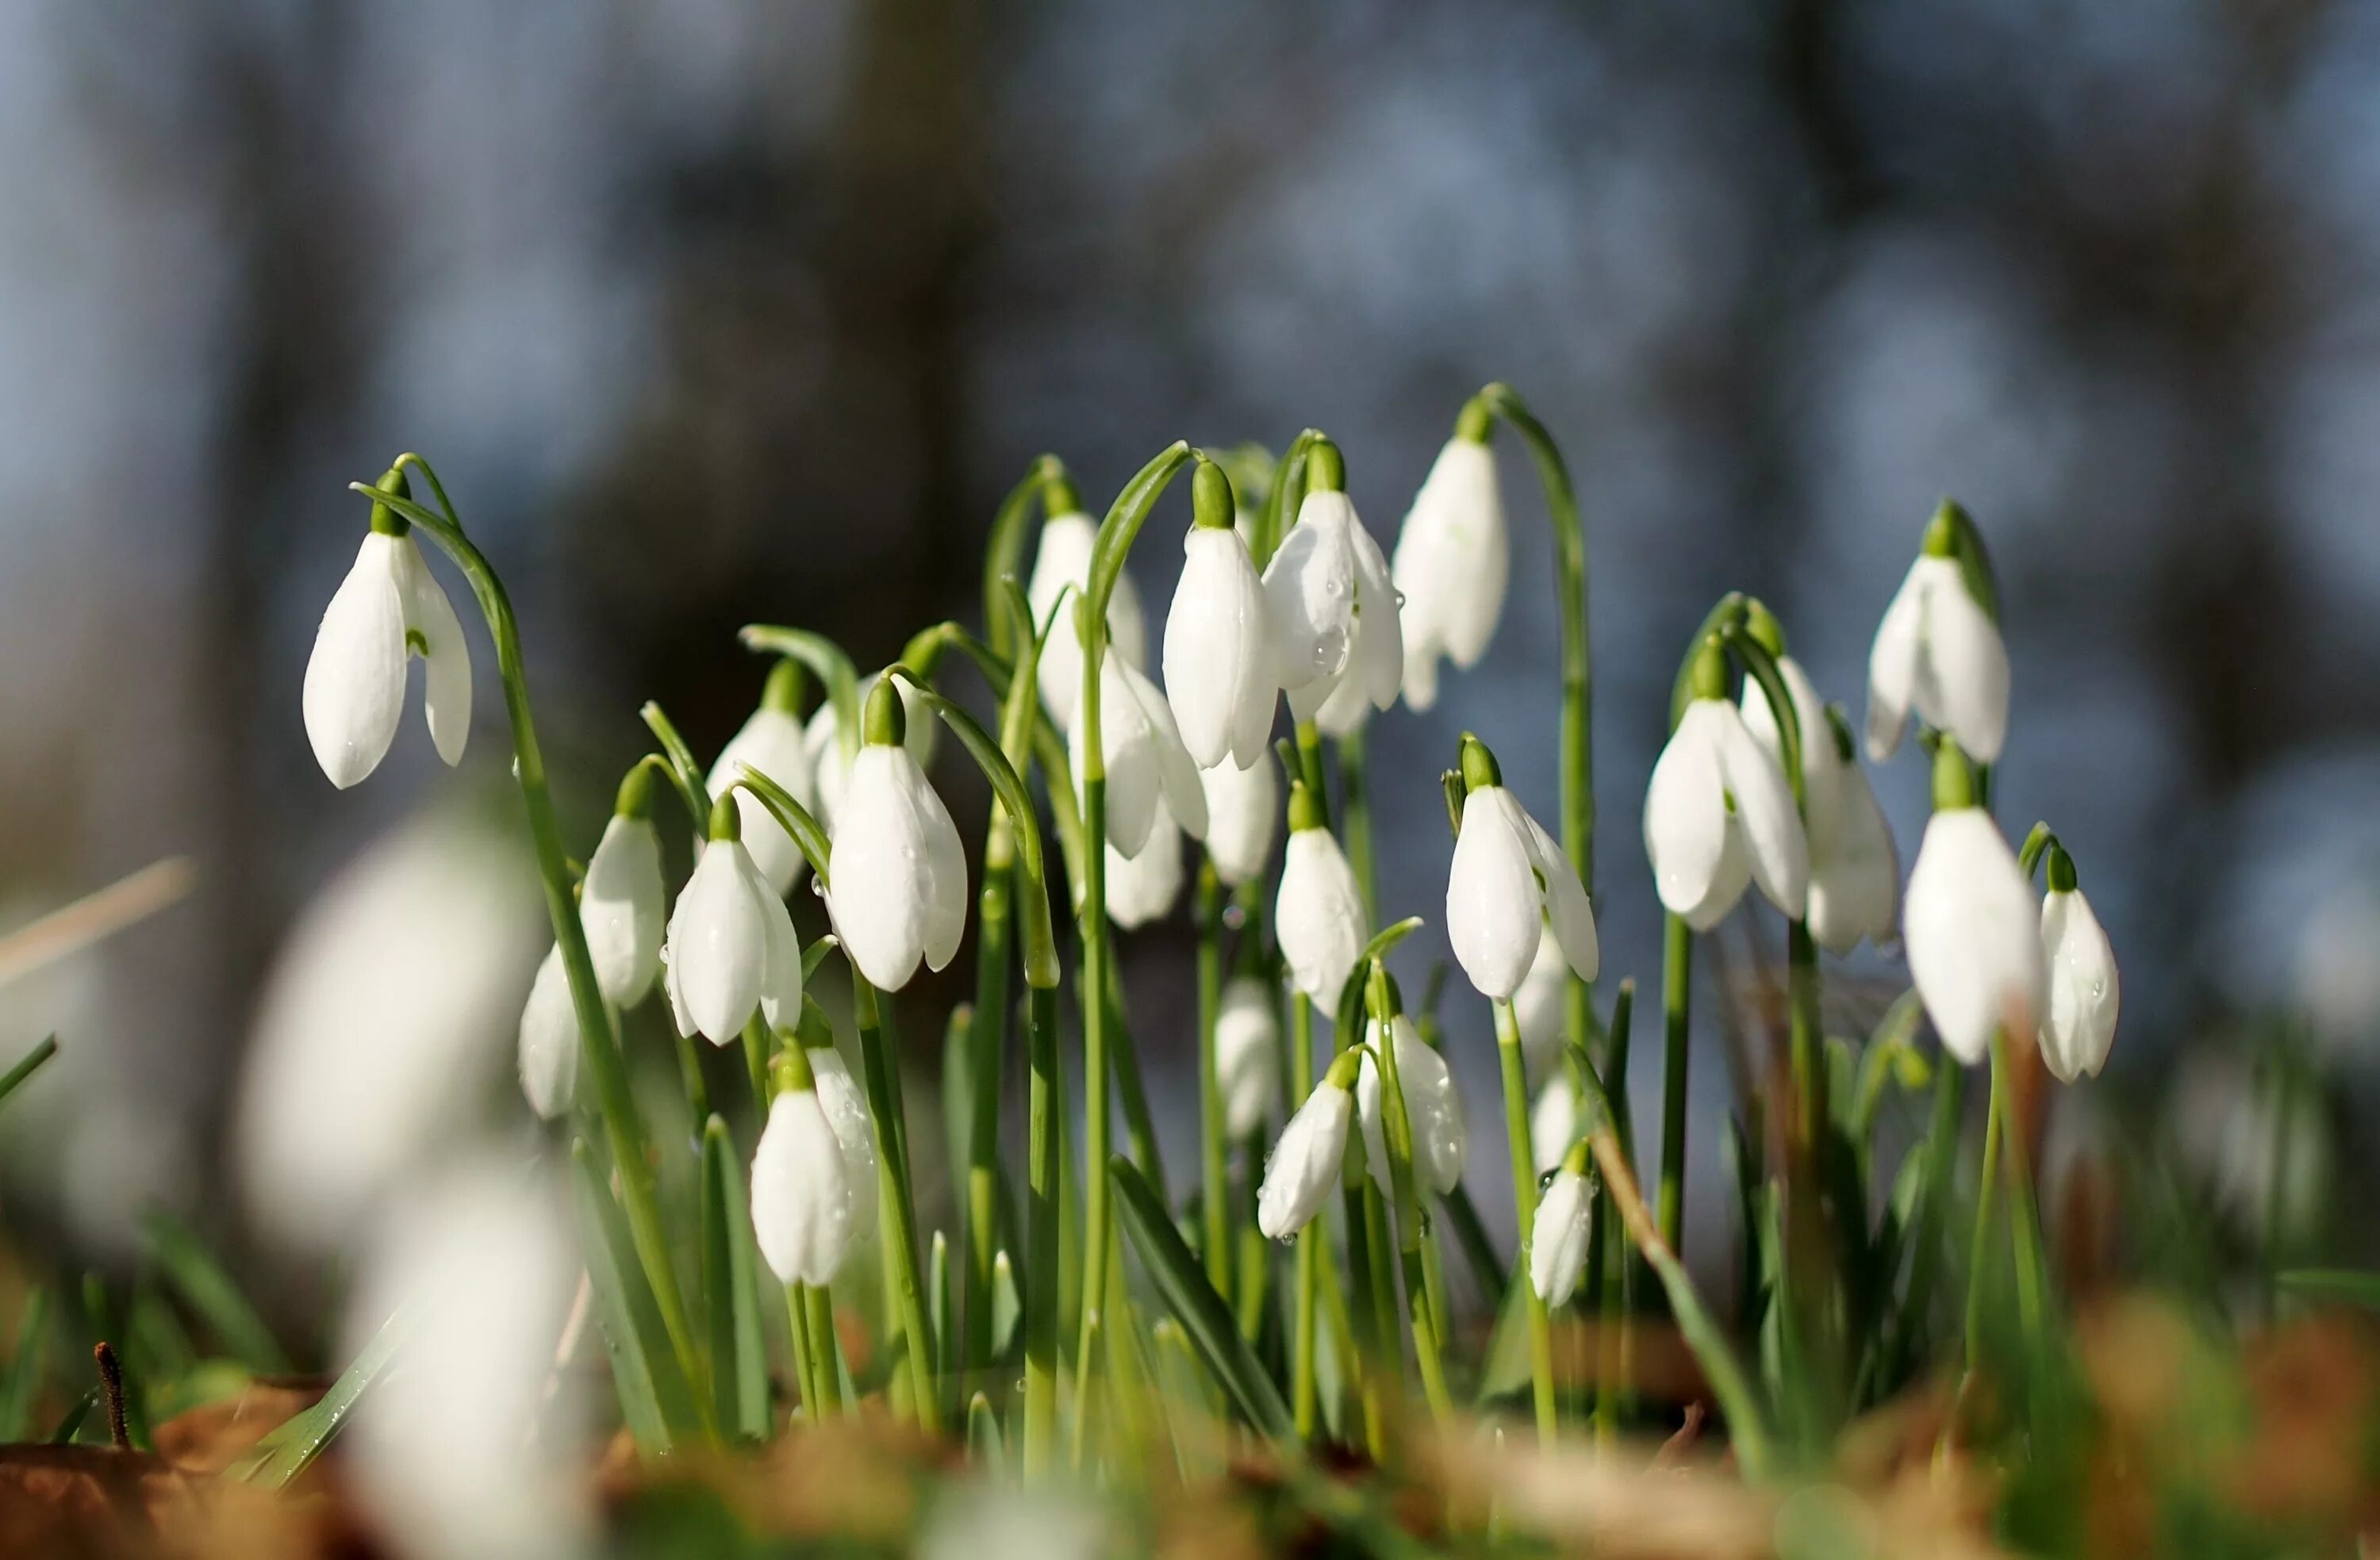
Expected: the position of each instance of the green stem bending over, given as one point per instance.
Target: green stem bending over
(1525, 1211)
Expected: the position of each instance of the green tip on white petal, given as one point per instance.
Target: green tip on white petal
(789, 1073)
(2063, 878)
(1942, 530)
(726, 817)
(1480, 769)
(1326, 469)
(1762, 625)
(634, 797)
(783, 690)
(1304, 808)
(1954, 778)
(1211, 503)
(1708, 678)
(1344, 1071)
(387, 521)
(884, 723)
(1477, 422)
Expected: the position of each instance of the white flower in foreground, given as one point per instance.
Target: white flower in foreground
(1972, 925)
(1855, 878)
(382, 1025)
(1247, 1055)
(1142, 888)
(1433, 1108)
(387, 610)
(1306, 1163)
(1541, 1006)
(1509, 881)
(846, 1111)
(458, 1450)
(1219, 659)
(801, 1187)
(823, 738)
(1147, 764)
(1334, 609)
(1719, 813)
(772, 741)
(549, 1040)
(1553, 1122)
(1243, 812)
(1562, 1235)
(1452, 561)
(2078, 1025)
(900, 888)
(1939, 651)
(620, 904)
(992, 1523)
(1319, 915)
(732, 948)
(1064, 559)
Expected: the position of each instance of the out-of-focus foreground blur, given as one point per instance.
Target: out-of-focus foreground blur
(712, 313)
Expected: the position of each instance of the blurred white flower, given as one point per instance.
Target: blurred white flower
(846, 1111)
(1142, 888)
(1064, 559)
(802, 1210)
(458, 1450)
(973, 1523)
(1334, 609)
(1219, 659)
(1939, 651)
(2078, 1027)
(1554, 1122)
(1433, 1108)
(1305, 1162)
(771, 741)
(1243, 814)
(1541, 1005)
(2338, 977)
(1856, 877)
(382, 1024)
(1318, 916)
(549, 1040)
(620, 906)
(1973, 931)
(1247, 1055)
(1451, 565)
(1561, 1236)
(387, 611)
(1146, 763)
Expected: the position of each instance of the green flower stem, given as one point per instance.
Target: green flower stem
(898, 1214)
(797, 1315)
(1003, 557)
(987, 1061)
(1304, 1396)
(2032, 1266)
(1354, 794)
(1214, 1188)
(1309, 766)
(757, 1040)
(1987, 1191)
(600, 1056)
(1139, 1125)
(689, 1074)
(1677, 985)
(1043, 1230)
(1525, 1211)
(1611, 1299)
(1425, 1321)
(826, 1349)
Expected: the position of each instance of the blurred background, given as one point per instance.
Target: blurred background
(713, 313)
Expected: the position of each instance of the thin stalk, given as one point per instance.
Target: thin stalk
(1986, 1190)
(1677, 985)
(1808, 1042)
(600, 1056)
(1354, 794)
(689, 1075)
(755, 1063)
(826, 1348)
(1042, 1231)
(1303, 1394)
(1525, 1211)
(1094, 981)
(898, 1214)
(1214, 1188)
(1425, 1321)
(797, 1314)
(986, 1058)
(1611, 1297)
(2032, 1266)
(1139, 1125)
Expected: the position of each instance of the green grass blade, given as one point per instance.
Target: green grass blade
(739, 1358)
(1202, 1312)
(654, 1396)
(207, 1288)
(64, 1434)
(986, 1448)
(26, 1065)
(2332, 1286)
(293, 1446)
(24, 1378)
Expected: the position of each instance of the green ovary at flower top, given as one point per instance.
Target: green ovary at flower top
(731, 949)
(898, 889)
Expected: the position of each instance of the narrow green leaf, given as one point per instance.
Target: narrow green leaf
(27, 1064)
(686, 775)
(23, 1381)
(1007, 1305)
(655, 1399)
(291, 1446)
(825, 658)
(64, 1433)
(1351, 995)
(206, 1285)
(1202, 1312)
(805, 829)
(2333, 1286)
(740, 1358)
(815, 954)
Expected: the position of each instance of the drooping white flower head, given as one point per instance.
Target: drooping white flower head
(899, 872)
(549, 1040)
(1452, 563)
(1243, 814)
(1063, 561)
(1433, 1108)
(1938, 650)
(773, 742)
(1508, 882)
(1147, 764)
(1318, 915)
(1541, 1006)
(620, 903)
(1219, 659)
(1563, 1234)
(1855, 880)
(801, 1185)
(464, 1447)
(1553, 1121)
(1971, 924)
(1142, 888)
(822, 739)
(1306, 1163)
(387, 610)
(1334, 608)
(2078, 1025)
(1823, 763)
(1247, 1055)
(1719, 814)
(731, 947)
(846, 1111)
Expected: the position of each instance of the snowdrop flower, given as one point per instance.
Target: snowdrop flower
(1451, 565)
(620, 901)
(1823, 764)
(801, 1184)
(1247, 1048)
(387, 611)
(1334, 608)
(1242, 811)
(1553, 1122)
(1541, 1006)
(899, 873)
(773, 741)
(1319, 915)
(1142, 888)
(1147, 764)
(2078, 1025)
(1938, 650)
(1719, 813)
(549, 1040)
(823, 738)
(1563, 1233)
(1306, 1163)
(1433, 1108)
(458, 1450)
(1971, 922)
(1219, 660)
(732, 948)
(1063, 560)
(1856, 877)
(1508, 882)
(846, 1111)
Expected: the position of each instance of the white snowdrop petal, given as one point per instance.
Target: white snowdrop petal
(1962, 684)
(1855, 883)
(944, 886)
(1822, 765)
(1567, 910)
(1766, 817)
(1243, 815)
(354, 694)
(1218, 675)
(781, 987)
(1177, 776)
(1142, 888)
(845, 1106)
(1311, 593)
(878, 869)
(549, 1040)
(773, 742)
(446, 656)
(1540, 1005)
(1892, 665)
(1380, 642)
(1318, 917)
(720, 947)
(1560, 1236)
(801, 1193)
(1341, 715)
(1494, 906)
(1247, 1044)
(1686, 826)
(1433, 1110)
(2079, 1027)
(1973, 930)
(1305, 1164)
(620, 906)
